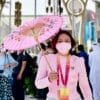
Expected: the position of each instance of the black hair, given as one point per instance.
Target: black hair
(55, 39)
(80, 47)
(43, 46)
(49, 44)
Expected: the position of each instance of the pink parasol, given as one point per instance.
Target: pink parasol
(33, 32)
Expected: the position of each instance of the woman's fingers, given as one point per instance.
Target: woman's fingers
(53, 76)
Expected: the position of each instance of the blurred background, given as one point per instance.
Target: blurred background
(81, 17)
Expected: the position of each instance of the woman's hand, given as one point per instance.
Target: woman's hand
(10, 65)
(53, 76)
(13, 64)
(6, 65)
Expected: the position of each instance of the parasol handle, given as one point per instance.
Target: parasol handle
(42, 52)
(47, 62)
(45, 57)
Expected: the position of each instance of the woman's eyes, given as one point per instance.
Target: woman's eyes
(64, 41)
(59, 41)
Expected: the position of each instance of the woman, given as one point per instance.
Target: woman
(6, 66)
(67, 70)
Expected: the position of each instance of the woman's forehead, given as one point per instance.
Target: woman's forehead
(63, 36)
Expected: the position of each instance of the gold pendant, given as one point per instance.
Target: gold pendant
(64, 91)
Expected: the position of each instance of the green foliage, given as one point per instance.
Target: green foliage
(29, 83)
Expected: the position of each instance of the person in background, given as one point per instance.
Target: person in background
(75, 50)
(82, 53)
(41, 93)
(7, 63)
(14, 54)
(63, 71)
(18, 76)
(49, 49)
(42, 51)
(94, 63)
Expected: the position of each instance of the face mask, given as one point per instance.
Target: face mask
(63, 47)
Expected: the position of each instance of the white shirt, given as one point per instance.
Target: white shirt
(6, 60)
(94, 62)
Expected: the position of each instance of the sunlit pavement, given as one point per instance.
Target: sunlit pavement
(27, 97)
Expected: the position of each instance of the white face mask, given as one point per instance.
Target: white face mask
(63, 47)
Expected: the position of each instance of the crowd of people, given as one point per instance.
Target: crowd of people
(64, 71)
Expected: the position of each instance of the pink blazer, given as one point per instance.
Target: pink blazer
(77, 73)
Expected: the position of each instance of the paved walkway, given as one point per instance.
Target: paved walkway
(29, 98)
